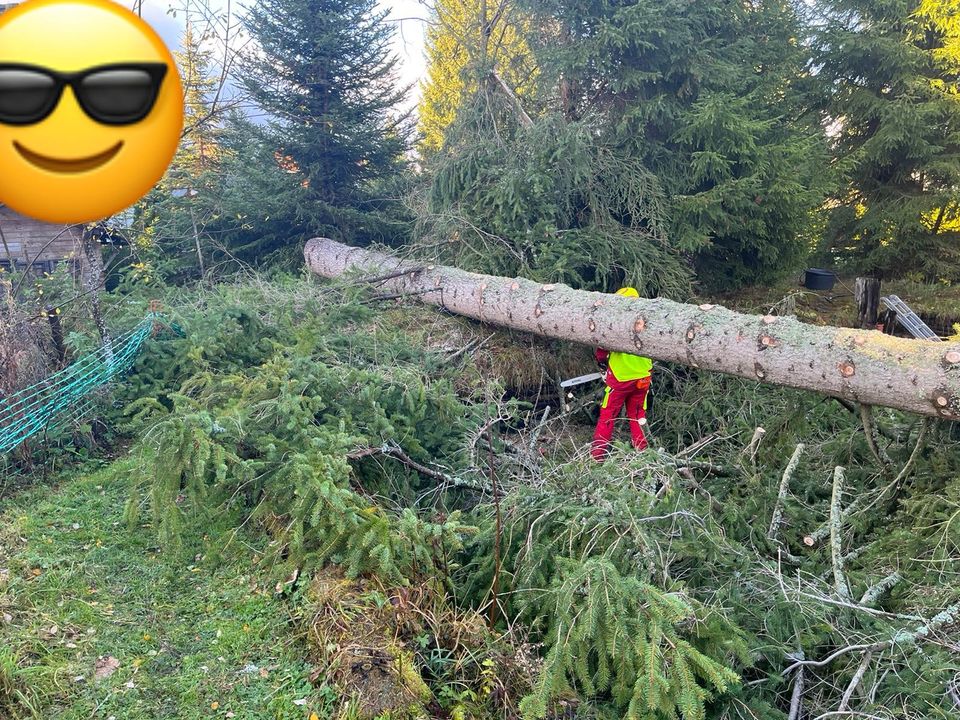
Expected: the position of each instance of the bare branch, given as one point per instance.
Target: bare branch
(855, 682)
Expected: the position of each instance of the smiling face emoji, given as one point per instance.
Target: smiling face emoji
(91, 109)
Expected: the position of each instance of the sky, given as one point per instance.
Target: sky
(408, 15)
(408, 41)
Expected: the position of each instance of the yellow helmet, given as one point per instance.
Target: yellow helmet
(628, 292)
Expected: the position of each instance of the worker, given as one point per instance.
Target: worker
(628, 382)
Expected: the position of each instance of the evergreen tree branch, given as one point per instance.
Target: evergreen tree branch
(953, 691)
(823, 532)
(902, 638)
(522, 115)
(773, 532)
(751, 449)
(908, 467)
(875, 592)
(397, 453)
(873, 440)
(836, 540)
(854, 410)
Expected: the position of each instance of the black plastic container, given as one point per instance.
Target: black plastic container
(817, 279)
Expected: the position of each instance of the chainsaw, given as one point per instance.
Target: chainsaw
(582, 380)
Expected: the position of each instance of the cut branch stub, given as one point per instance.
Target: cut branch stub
(767, 341)
(947, 404)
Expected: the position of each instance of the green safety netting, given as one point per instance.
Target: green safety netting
(65, 396)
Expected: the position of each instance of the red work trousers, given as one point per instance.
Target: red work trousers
(620, 393)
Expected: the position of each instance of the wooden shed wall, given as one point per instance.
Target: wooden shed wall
(31, 241)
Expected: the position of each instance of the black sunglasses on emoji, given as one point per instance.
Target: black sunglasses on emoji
(121, 94)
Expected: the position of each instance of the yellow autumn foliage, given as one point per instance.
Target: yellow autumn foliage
(457, 50)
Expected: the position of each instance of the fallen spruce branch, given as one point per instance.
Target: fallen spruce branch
(841, 587)
(903, 639)
(855, 410)
(847, 559)
(860, 503)
(873, 438)
(953, 691)
(875, 592)
(392, 296)
(796, 700)
(773, 533)
(850, 605)
(678, 462)
(471, 347)
(823, 532)
(905, 472)
(751, 449)
(398, 454)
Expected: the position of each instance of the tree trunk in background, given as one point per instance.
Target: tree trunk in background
(865, 366)
(866, 291)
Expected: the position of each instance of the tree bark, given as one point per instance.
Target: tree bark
(867, 294)
(860, 365)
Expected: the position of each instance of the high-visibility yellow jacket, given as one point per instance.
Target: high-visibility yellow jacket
(624, 366)
(629, 367)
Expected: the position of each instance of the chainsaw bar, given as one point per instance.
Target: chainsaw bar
(573, 382)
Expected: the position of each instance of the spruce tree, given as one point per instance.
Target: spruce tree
(702, 93)
(324, 75)
(518, 188)
(200, 146)
(888, 76)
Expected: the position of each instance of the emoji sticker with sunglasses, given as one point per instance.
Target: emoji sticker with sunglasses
(91, 109)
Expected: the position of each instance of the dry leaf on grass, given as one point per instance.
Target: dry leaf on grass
(105, 667)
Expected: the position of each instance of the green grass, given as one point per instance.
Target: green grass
(195, 636)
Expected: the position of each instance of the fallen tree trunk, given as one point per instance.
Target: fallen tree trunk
(861, 365)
